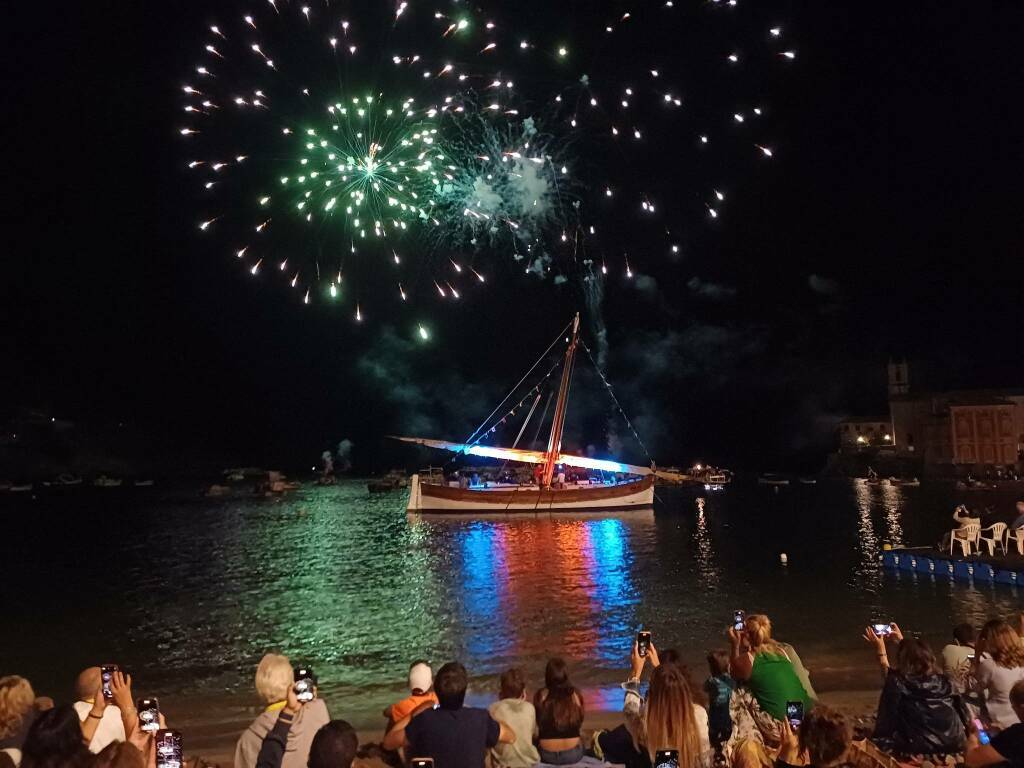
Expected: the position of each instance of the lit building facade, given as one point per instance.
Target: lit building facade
(864, 433)
(960, 427)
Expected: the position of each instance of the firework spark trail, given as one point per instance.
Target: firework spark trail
(327, 141)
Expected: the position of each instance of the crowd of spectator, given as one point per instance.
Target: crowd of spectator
(756, 708)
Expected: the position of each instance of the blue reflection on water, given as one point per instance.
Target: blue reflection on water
(608, 567)
(484, 577)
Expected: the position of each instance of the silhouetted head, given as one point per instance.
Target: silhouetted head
(718, 663)
(450, 685)
(55, 740)
(825, 736)
(556, 673)
(964, 634)
(513, 685)
(914, 657)
(334, 746)
(87, 684)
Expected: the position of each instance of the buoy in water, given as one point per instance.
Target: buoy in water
(784, 558)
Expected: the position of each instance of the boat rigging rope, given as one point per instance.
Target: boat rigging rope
(615, 400)
(480, 430)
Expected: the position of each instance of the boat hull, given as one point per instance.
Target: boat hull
(427, 498)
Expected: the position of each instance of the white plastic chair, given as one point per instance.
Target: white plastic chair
(998, 538)
(1017, 535)
(966, 536)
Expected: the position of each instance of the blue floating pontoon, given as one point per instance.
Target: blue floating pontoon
(971, 569)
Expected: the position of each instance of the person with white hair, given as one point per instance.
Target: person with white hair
(274, 678)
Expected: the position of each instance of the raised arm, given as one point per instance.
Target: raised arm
(92, 720)
(276, 741)
(121, 690)
(740, 660)
(881, 654)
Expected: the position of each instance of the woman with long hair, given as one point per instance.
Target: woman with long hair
(768, 679)
(669, 718)
(560, 714)
(17, 711)
(999, 665)
(55, 741)
(918, 711)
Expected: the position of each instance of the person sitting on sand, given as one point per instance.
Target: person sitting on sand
(560, 715)
(669, 718)
(1018, 521)
(92, 705)
(802, 672)
(55, 741)
(956, 657)
(275, 684)
(767, 679)
(1006, 746)
(453, 735)
(918, 713)
(998, 666)
(518, 714)
(963, 518)
(421, 681)
(719, 688)
(823, 740)
(18, 710)
(120, 754)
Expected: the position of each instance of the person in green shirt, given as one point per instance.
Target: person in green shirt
(763, 666)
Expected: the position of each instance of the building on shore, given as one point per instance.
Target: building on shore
(856, 434)
(973, 430)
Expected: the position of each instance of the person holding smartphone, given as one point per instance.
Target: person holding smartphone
(668, 719)
(998, 666)
(958, 655)
(101, 718)
(918, 712)
(275, 684)
(821, 741)
(768, 676)
(1004, 747)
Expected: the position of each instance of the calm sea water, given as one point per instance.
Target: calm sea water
(188, 593)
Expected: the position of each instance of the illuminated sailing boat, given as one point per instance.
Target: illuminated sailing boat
(631, 487)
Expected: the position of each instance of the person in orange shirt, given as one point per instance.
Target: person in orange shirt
(421, 682)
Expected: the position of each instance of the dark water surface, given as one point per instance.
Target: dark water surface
(188, 594)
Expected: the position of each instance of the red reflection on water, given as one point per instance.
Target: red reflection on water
(564, 554)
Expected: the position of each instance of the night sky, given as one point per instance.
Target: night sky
(888, 224)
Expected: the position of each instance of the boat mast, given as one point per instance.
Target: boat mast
(558, 421)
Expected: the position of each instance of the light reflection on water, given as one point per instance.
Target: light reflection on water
(345, 582)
